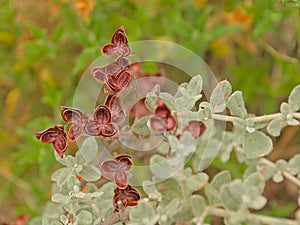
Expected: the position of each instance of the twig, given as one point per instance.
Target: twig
(287, 175)
(250, 216)
(256, 119)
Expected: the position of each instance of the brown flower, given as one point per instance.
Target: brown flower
(101, 74)
(125, 197)
(119, 167)
(101, 126)
(119, 44)
(77, 119)
(117, 82)
(56, 136)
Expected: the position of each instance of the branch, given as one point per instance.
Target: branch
(118, 217)
(287, 175)
(254, 119)
(252, 217)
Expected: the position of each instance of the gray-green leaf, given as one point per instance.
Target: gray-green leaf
(275, 126)
(257, 144)
(219, 96)
(140, 126)
(236, 105)
(87, 152)
(90, 173)
(294, 99)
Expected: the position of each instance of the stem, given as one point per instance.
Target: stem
(287, 175)
(254, 119)
(251, 217)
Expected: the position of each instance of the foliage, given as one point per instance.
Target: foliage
(46, 50)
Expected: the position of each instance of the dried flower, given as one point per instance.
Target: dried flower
(119, 44)
(196, 128)
(101, 126)
(77, 119)
(125, 197)
(119, 167)
(113, 103)
(56, 136)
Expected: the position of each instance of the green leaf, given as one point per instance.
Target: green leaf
(236, 105)
(140, 126)
(219, 96)
(220, 179)
(151, 191)
(196, 181)
(90, 173)
(275, 126)
(194, 87)
(61, 175)
(168, 99)
(61, 199)
(231, 195)
(294, 99)
(172, 208)
(257, 144)
(212, 194)
(198, 205)
(257, 180)
(294, 165)
(84, 217)
(87, 151)
(143, 214)
(183, 100)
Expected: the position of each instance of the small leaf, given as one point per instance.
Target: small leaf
(294, 99)
(140, 126)
(294, 165)
(194, 87)
(220, 179)
(198, 205)
(278, 177)
(90, 173)
(61, 175)
(143, 214)
(284, 108)
(183, 100)
(257, 144)
(231, 195)
(196, 181)
(151, 191)
(236, 105)
(87, 151)
(219, 96)
(172, 208)
(275, 126)
(84, 217)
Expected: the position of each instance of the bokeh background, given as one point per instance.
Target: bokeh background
(46, 45)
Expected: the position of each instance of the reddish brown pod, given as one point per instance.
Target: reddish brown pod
(118, 82)
(196, 128)
(163, 119)
(113, 103)
(77, 119)
(102, 125)
(125, 197)
(101, 74)
(55, 135)
(119, 167)
(119, 44)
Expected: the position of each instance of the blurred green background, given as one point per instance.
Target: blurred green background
(46, 45)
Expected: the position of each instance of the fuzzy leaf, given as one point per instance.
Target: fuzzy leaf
(90, 173)
(84, 217)
(294, 165)
(219, 96)
(294, 99)
(197, 181)
(140, 126)
(212, 194)
(60, 176)
(221, 178)
(236, 105)
(151, 190)
(183, 100)
(87, 151)
(198, 205)
(143, 214)
(257, 144)
(231, 195)
(194, 87)
(275, 126)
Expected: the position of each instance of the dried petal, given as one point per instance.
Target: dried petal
(119, 81)
(121, 179)
(75, 131)
(125, 197)
(60, 145)
(196, 128)
(108, 130)
(93, 129)
(126, 162)
(171, 123)
(158, 124)
(110, 166)
(71, 115)
(102, 115)
(47, 136)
